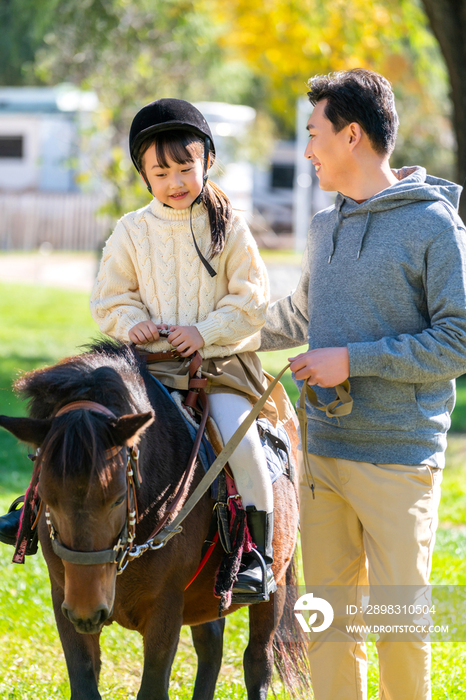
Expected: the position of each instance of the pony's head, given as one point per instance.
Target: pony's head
(81, 457)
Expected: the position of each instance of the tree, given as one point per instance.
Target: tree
(284, 42)
(24, 24)
(448, 21)
(131, 53)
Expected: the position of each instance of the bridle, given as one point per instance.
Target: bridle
(124, 551)
(118, 553)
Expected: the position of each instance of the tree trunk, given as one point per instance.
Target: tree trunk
(448, 22)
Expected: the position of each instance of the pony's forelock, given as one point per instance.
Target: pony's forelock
(76, 447)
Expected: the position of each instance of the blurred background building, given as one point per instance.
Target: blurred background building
(40, 161)
(43, 158)
(74, 78)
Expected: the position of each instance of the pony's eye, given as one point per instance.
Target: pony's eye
(119, 502)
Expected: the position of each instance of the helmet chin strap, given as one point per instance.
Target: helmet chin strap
(206, 264)
(206, 169)
(198, 200)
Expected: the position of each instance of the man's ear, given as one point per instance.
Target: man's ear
(354, 134)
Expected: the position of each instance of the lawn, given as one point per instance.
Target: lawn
(39, 326)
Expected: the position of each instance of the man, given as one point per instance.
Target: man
(381, 301)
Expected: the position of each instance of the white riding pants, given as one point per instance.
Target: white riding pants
(247, 462)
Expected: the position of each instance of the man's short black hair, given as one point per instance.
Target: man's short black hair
(360, 96)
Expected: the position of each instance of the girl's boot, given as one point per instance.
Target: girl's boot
(9, 523)
(9, 526)
(251, 585)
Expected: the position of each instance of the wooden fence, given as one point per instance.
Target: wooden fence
(66, 221)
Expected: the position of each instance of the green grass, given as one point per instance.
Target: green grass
(458, 418)
(39, 326)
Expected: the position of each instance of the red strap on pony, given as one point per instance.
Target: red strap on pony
(204, 560)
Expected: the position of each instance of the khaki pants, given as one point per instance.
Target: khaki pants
(368, 524)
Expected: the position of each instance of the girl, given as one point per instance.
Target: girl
(186, 262)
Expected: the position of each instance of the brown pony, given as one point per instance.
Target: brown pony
(83, 484)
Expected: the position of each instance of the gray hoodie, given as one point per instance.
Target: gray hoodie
(387, 278)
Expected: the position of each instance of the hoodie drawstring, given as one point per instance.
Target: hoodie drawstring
(368, 218)
(335, 230)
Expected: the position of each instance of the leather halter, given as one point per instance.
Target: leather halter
(86, 405)
(118, 553)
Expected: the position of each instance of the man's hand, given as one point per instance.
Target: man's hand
(145, 332)
(186, 339)
(324, 367)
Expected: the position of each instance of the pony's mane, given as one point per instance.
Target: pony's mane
(108, 373)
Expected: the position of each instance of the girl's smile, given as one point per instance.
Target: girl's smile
(179, 196)
(177, 185)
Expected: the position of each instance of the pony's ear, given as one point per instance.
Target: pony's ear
(127, 429)
(29, 430)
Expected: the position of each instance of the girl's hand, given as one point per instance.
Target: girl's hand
(143, 332)
(186, 339)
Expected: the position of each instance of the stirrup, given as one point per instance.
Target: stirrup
(268, 584)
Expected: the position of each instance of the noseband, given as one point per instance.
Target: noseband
(117, 554)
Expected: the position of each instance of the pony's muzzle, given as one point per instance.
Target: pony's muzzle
(89, 596)
(89, 625)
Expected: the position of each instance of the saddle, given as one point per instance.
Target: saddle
(228, 523)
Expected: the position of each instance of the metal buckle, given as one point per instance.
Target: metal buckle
(48, 520)
(137, 550)
(233, 495)
(121, 563)
(118, 546)
(169, 533)
(219, 503)
(153, 547)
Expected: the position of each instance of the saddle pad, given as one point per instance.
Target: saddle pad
(206, 453)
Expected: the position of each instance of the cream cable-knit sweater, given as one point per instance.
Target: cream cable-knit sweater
(150, 270)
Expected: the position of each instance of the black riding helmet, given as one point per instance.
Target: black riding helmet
(170, 114)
